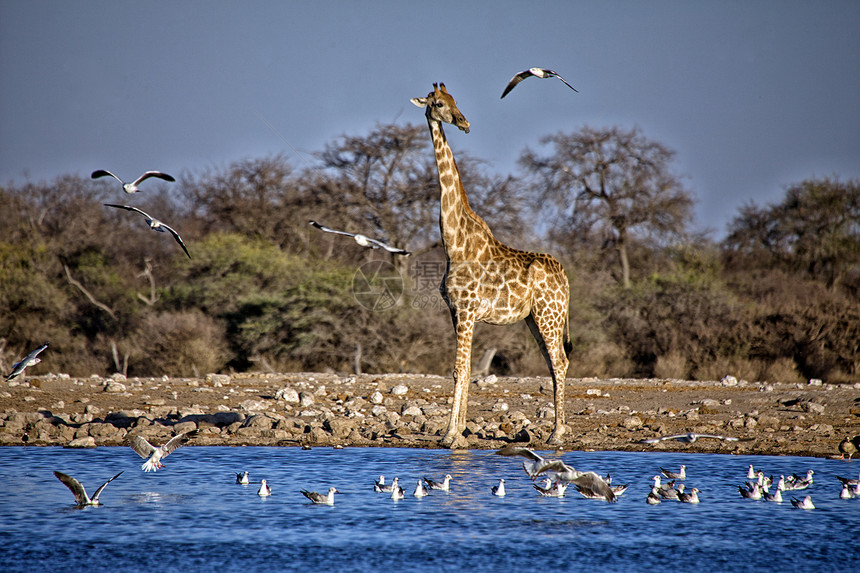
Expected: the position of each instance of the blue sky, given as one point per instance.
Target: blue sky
(753, 96)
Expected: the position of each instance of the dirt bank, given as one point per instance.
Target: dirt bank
(410, 410)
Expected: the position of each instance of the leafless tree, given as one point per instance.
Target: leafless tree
(614, 183)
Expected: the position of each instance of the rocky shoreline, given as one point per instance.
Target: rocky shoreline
(411, 410)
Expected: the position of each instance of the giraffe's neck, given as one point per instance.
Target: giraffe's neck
(465, 235)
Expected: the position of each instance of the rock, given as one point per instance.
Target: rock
(400, 390)
(813, 408)
(632, 422)
(217, 380)
(378, 410)
(258, 421)
(288, 395)
(85, 442)
(729, 380)
(306, 399)
(376, 397)
(115, 387)
(253, 405)
(182, 427)
(411, 410)
(500, 406)
(340, 428)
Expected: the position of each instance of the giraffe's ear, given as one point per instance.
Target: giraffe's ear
(419, 101)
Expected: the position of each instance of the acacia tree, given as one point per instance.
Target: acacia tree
(814, 230)
(612, 182)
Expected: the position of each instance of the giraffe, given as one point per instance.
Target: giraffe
(487, 281)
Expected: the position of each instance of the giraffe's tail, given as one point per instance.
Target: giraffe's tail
(568, 345)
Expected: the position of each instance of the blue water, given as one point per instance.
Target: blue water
(192, 516)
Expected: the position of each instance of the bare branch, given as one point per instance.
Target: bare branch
(87, 294)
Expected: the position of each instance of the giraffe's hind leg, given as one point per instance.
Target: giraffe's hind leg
(549, 333)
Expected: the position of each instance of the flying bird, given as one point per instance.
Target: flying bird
(78, 490)
(146, 450)
(589, 483)
(29, 360)
(264, 489)
(153, 223)
(688, 438)
(542, 73)
(132, 187)
(362, 240)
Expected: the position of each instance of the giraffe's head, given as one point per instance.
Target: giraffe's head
(442, 107)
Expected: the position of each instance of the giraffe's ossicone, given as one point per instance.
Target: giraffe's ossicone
(488, 281)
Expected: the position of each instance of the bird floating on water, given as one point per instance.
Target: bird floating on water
(688, 438)
(264, 489)
(444, 485)
(805, 503)
(557, 489)
(132, 187)
(153, 223)
(155, 453)
(315, 497)
(242, 478)
(776, 496)
(78, 490)
(542, 73)
(849, 481)
(362, 240)
(420, 490)
(499, 490)
(666, 490)
(654, 496)
(692, 497)
(397, 493)
(795, 482)
(682, 474)
(29, 360)
(380, 486)
(751, 472)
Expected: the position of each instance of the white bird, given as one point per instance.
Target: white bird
(153, 223)
(846, 492)
(444, 485)
(675, 475)
(692, 497)
(754, 492)
(242, 478)
(805, 503)
(380, 486)
(420, 490)
(795, 482)
(155, 454)
(264, 489)
(666, 490)
(780, 484)
(653, 496)
(557, 489)
(78, 490)
(499, 490)
(397, 493)
(315, 497)
(542, 73)
(777, 496)
(751, 472)
(132, 187)
(534, 465)
(619, 490)
(688, 438)
(29, 360)
(362, 240)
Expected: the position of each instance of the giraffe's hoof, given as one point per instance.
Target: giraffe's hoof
(453, 440)
(555, 438)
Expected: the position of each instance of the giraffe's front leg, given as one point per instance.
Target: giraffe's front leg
(559, 374)
(462, 371)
